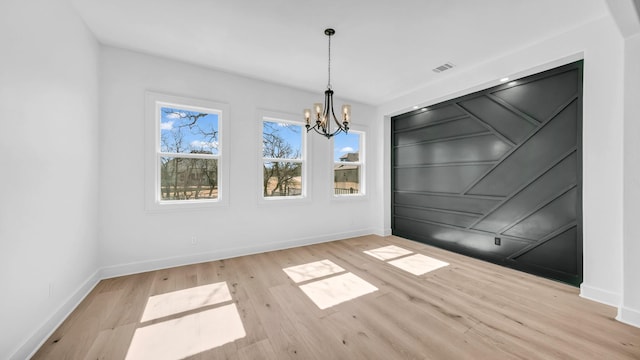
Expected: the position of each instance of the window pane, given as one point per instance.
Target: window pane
(281, 140)
(282, 178)
(346, 179)
(188, 179)
(347, 147)
(183, 131)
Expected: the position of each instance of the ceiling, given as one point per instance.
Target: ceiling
(381, 50)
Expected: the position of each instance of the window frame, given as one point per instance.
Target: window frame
(362, 158)
(154, 102)
(305, 173)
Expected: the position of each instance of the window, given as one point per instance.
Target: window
(348, 163)
(185, 163)
(283, 159)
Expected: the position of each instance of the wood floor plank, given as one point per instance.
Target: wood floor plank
(259, 350)
(111, 343)
(321, 344)
(281, 332)
(468, 309)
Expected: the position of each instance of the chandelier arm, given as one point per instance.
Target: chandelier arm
(318, 129)
(328, 106)
(327, 135)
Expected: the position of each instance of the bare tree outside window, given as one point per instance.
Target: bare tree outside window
(189, 155)
(282, 159)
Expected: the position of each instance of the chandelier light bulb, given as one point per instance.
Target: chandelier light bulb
(307, 116)
(346, 113)
(317, 110)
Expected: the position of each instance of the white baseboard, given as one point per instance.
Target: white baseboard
(629, 316)
(151, 265)
(383, 232)
(602, 296)
(38, 337)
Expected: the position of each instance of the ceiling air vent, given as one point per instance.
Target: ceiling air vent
(443, 67)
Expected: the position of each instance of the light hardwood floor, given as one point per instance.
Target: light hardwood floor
(466, 310)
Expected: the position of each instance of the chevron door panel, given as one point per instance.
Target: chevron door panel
(496, 174)
(438, 115)
(438, 179)
(480, 148)
(439, 216)
(542, 190)
(475, 244)
(505, 122)
(551, 92)
(454, 128)
(469, 204)
(558, 213)
(550, 254)
(553, 141)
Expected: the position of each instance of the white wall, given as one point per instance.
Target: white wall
(627, 17)
(630, 309)
(48, 169)
(133, 240)
(602, 48)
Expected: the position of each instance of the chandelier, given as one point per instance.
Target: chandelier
(323, 116)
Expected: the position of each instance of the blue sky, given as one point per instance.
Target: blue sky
(345, 143)
(291, 133)
(342, 143)
(172, 122)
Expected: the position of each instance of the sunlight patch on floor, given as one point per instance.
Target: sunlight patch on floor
(188, 335)
(388, 252)
(418, 264)
(337, 289)
(184, 300)
(312, 270)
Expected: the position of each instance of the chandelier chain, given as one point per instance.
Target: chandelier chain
(329, 66)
